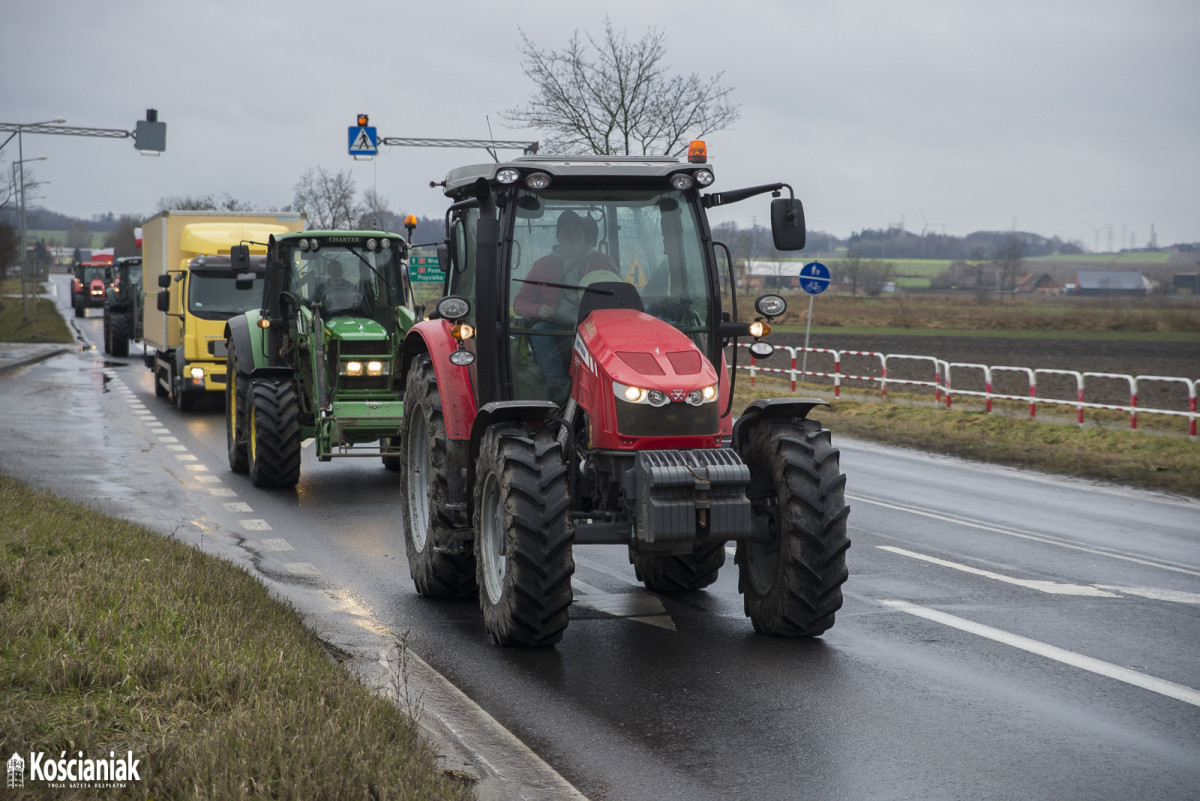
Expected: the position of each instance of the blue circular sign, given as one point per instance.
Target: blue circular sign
(814, 278)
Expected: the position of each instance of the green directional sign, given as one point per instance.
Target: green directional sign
(425, 270)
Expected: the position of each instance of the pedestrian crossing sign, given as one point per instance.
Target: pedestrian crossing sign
(363, 141)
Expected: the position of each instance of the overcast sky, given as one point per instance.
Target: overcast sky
(1062, 118)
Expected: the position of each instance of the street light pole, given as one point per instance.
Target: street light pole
(26, 279)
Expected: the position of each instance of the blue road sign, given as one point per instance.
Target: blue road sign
(363, 141)
(814, 278)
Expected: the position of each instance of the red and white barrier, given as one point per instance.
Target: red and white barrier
(942, 382)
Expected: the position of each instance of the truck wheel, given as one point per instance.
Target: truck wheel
(680, 573)
(273, 433)
(80, 311)
(119, 335)
(792, 585)
(522, 544)
(235, 416)
(107, 333)
(440, 567)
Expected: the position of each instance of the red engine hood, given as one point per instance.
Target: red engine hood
(635, 348)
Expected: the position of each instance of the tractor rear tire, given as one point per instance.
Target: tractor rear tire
(792, 586)
(118, 335)
(522, 543)
(441, 564)
(235, 416)
(682, 572)
(273, 434)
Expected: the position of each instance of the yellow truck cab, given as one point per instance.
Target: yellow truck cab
(199, 287)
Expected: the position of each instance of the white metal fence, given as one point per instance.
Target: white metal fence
(949, 379)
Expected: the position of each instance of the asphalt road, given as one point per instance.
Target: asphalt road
(1005, 635)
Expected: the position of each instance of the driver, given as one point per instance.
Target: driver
(553, 306)
(335, 282)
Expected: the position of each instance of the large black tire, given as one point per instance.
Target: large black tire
(792, 586)
(119, 330)
(522, 542)
(273, 433)
(235, 416)
(441, 564)
(107, 332)
(680, 573)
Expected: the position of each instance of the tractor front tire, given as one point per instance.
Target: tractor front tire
(792, 584)
(118, 336)
(235, 416)
(682, 572)
(441, 564)
(522, 543)
(273, 434)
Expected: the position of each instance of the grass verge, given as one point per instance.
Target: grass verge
(1145, 459)
(116, 639)
(15, 327)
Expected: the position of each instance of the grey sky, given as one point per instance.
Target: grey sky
(948, 116)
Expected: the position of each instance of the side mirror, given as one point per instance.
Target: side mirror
(164, 301)
(445, 257)
(164, 281)
(787, 223)
(239, 258)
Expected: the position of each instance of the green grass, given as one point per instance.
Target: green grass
(44, 326)
(114, 638)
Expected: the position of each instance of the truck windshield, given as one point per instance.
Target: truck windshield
(345, 279)
(565, 240)
(217, 297)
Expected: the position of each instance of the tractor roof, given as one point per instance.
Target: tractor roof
(576, 169)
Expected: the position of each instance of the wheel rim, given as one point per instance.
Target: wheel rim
(491, 539)
(231, 393)
(762, 559)
(252, 434)
(418, 481)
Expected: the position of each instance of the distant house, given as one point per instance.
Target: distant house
(1039, 284)
(1186, 282)
(1111, 283)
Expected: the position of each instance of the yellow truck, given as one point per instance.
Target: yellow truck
(186, 255)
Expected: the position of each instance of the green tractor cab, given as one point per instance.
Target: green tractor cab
(319, 360)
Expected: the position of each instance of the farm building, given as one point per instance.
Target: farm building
(1039, 284)
(1186, 282)
(1111, 283)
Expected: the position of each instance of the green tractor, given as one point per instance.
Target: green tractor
(122, 305)
(319, 359)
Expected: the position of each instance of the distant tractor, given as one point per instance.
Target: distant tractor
(122, 305)
(87, 286)
(571, 388)
(320, 358)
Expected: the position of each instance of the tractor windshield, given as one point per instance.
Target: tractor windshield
(565, 241)
(346, 278)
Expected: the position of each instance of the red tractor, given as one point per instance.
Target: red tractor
(571, 388)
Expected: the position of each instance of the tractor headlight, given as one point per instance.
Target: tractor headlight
(654, 397)
(682, 181)
(357, 368)
(374, 368)
(698, 397)
(508, 176)
(352, 369)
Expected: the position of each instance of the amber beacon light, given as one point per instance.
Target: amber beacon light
(698, 152)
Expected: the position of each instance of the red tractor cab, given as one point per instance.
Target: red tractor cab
(572, 388)
(88, 286)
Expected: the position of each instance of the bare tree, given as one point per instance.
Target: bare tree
(226, 203)
(1010, 257)
(614, 97)
(123, 239)
(850, 268)
(79, 235)
(326, 199)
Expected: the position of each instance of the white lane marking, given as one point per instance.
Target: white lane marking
(1099, 667)
(219, 492)
(256, 524)
(185, 457)
(304, 570)
(1026, 535)
(176, 448)
(1052, 587)
(276, 544)
(168, 439)
(1155, 594)
(197, 468)
(643, 607)
(238, 506)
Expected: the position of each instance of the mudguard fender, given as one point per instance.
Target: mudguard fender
(772, 409)
(454, 383)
